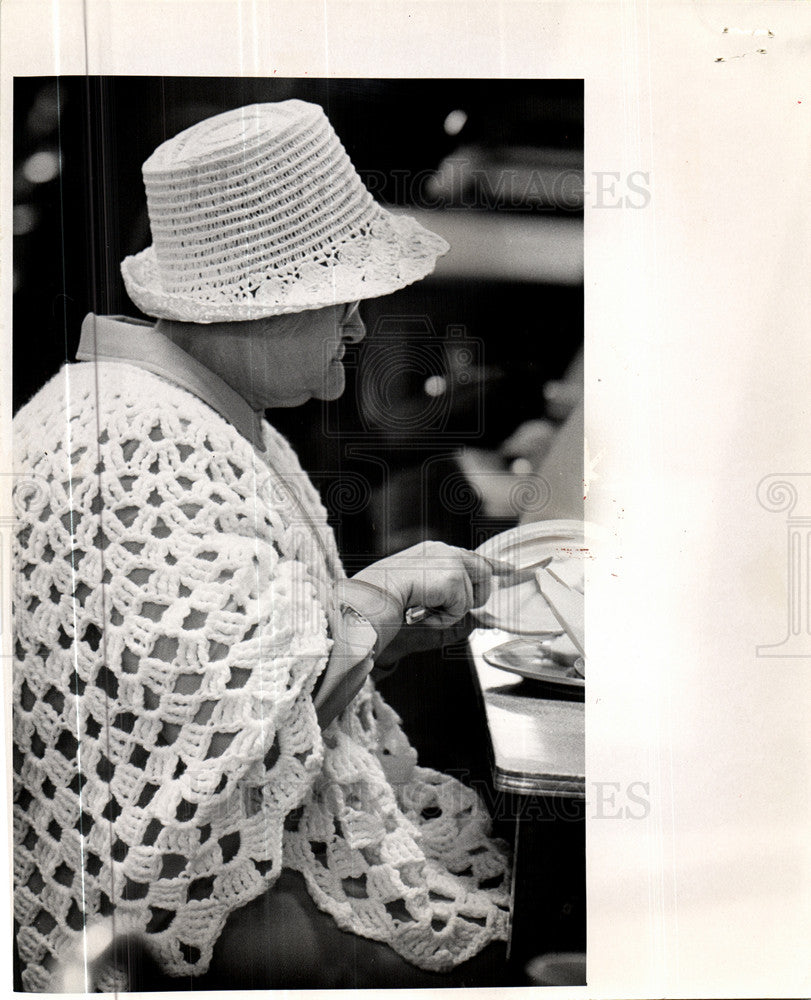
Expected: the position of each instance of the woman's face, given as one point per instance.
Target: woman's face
(287, 360)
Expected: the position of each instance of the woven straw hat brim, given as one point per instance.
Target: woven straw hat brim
(387, 254)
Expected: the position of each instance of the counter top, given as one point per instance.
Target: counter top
(537, 739)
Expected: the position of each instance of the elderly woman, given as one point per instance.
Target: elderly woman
(196, 737)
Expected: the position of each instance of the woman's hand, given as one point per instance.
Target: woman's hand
(419, 638)
(448, 581)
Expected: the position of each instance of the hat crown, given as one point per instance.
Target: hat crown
(266, 186)
(232, 133)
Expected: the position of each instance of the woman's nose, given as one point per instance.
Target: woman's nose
(353, 329)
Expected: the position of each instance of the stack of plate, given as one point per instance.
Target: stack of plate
(520, 608)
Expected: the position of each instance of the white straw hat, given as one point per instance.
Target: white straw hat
(258, 212)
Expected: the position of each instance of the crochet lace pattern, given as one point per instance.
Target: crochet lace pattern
(171, 618)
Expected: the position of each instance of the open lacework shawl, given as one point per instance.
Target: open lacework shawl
(171, 615)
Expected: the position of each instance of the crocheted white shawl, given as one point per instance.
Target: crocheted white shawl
(171, 615)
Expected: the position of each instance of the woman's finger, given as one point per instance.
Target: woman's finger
(480, 574)
(449, 597)
(468, 597)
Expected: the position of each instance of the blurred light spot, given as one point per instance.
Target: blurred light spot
(561, 398)
(455, 122)
(435, 385)
(25, 219)
(521, 467)
(41, 167)
(44, 115)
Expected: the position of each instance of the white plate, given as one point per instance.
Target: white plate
(520, 608)
(524, 657)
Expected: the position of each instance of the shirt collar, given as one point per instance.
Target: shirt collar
(118, 338)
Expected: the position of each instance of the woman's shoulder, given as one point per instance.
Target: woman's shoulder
(118, 399)
(109, 385)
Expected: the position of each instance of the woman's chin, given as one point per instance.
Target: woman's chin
(287, 402)
(332, 388)
(335, 382)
